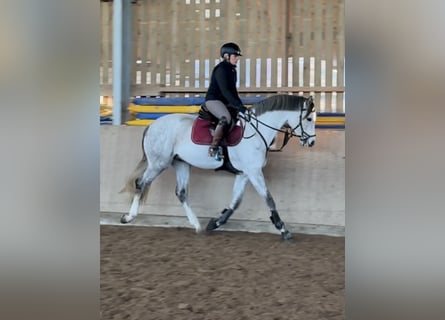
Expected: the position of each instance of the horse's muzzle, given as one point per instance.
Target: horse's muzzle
(309, 142)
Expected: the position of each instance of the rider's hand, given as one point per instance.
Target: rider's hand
(242, 109)
(247, 115)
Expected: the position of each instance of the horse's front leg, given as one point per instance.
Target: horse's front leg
(258, 182)
(238, 191)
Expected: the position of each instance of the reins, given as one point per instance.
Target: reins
(288, 133)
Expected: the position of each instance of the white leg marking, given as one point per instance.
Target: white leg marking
(192, 217)
(134, 207)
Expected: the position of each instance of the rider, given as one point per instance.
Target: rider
(222, 92)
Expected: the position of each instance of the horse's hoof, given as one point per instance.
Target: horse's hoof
(124, 219)
(286, 235)
(212, 224)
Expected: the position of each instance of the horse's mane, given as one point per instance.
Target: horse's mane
(279, 102)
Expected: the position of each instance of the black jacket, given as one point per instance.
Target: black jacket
(223, 85)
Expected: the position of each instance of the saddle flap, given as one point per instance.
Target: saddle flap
(202, 131)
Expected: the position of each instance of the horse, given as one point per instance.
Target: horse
(167, 143)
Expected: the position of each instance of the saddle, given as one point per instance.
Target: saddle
(204, 125)
(202, 134)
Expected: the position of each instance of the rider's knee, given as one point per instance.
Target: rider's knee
(223, 121)
(225, 124)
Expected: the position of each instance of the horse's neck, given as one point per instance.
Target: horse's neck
(275, 120)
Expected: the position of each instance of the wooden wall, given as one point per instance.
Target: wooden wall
(289, 46)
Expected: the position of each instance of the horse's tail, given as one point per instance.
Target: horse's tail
(130, 186)
(136, 175)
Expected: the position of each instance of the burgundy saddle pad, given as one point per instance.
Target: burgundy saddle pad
(201, 133)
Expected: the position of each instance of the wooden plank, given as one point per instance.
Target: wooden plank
(258, 90)
(103, 38)
(109, 63)
(252, 42)
(329, 47)
(318, 54)
(150, 33)
(212, 43)
(136, 41)
(306, 41)
(175, 50)
(144, 43)
(274, 46)
(164, 37)
(140, 51)
(340, 53)
(158, 34)
(296, 41)
(264, 42)
(181, 52)
(220, 31)
(135, 90)
(106, 14)
(286, 13)
(230, 25)
(203, 36)
(243, 25)
(224, 11)
(189, 75)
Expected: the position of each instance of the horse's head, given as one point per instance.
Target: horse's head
(305, 128)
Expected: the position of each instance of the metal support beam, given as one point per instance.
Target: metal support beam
(117, 61)
(121, 59)
(126, 58)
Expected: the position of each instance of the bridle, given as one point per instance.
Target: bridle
(288, 133)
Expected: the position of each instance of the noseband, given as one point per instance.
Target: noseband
(304, 137)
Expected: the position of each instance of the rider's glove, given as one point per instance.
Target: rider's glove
(242, 109)
(247, 116)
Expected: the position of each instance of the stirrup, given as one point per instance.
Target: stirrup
(216, 152)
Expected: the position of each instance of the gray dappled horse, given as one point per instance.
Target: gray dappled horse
(167, 142)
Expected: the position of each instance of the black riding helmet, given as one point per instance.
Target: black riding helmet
(230, 48)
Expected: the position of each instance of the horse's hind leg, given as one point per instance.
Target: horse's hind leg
(260, 186)
(238, 192)
(182, 181)
(142, 186)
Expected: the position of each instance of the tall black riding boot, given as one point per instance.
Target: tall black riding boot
(217, 137)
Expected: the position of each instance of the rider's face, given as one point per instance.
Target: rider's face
(233, 59)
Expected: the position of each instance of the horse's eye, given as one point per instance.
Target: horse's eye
(309, 119)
